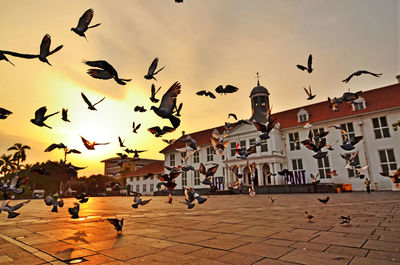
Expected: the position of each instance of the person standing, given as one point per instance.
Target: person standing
(367, 185)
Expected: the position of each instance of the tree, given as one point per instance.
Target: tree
(7, 164)
(19, 155)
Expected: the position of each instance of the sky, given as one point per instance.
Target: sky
(202, 44)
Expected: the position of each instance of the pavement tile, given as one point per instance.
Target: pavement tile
(296, 235)
(239, 259)
(370, 261)
(222, 243)
(339, 241)
(382, 245)
(384, 255)
(310, 246)
(315, 257)
(347, 251)
(129, 252)
(267, 261)
(279, 242)
(263, 249)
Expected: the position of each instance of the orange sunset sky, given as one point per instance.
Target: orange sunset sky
(203, 43)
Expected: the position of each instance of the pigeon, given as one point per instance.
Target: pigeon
(15, 54)
(228, 89)
(332, 173)
(219, 145)
(184, 166)
(91, 145)
(90, 105)
(136, 152)
(152, 70)
(154, 93)
(243, 154)
(349, 144)
(324, 201)
(307, 125)
(45, 49)
(118, 224)
(394, 125)
(4, 113)
(205, 93)
(309, 93)
(83, 197)
(129, 151)
(40, 117)
(345, 219)
(5, 206)
(121, 155)
(192, 195)
(14, 185)
(349, 158)
(358, 73)
(65, 115)
(308, 216)
(177, 110)
(272, 199)
(169, 199)
(171, 141)
(54, 201)
(233, 115)
(135, 128)
(395, 176)
(315, 179)
(121, 143)
(106, 71)
(83, 24)
(139, 201)
(54, 146)
(168, 102)
(191, 145)
(208, 176)
(265, 129)
(309, 65)
(168, 179)
(74, 211)
(158, 132)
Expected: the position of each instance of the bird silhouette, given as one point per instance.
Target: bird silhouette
(15, 54)
(4, 113)
(140, 109)
(227, 89)
(205, 93)
(208, 176)
(45, 49)
(135, 128)
(152, 70)
(5, 206)
(54, 146)
(345, 219)
(90, 145)
(74, 211)
(83, 23)
(118, 224)
(90, 105)
(64, 114)
(309, 65)
(153, 93)
(324, 201)
(308, 216)
(358, 73)
(233, 115)
(106, 71)
(54, 201)
(168, 102)
(40, 117)
(309, 93)
(121, 143)
(177, 110)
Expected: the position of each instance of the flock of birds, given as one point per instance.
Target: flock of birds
(170, 110)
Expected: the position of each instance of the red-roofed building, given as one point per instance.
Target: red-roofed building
(370, 116)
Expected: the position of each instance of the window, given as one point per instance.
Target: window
(352, 172)
(183, 155)
(358, 106)
(264, 146)
(243, 145)
(137, 188)
(151, 177)
(303, 118)
(196, 177)
(144, 187)
(151, 187)
(388, 161)
(196, 157)
(349, 128)
(297, 164)
(323, 167)
(131, 178)
(252, 142)
(302, 115)
(233, 148)
(210, 154)
(184, 179)
(137, 178)
(318, 131)
(381, 128)
(293, 141)
(172, 160)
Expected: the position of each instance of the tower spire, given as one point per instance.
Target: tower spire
(258, 79)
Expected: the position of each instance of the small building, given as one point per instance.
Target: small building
(116, 167)
(138, 182)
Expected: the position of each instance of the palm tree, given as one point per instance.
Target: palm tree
(19, 155)
(7, 164)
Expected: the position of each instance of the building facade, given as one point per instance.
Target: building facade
(371, 116)
(138, 181)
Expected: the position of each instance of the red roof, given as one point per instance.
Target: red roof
(375, 99)
(154, 167)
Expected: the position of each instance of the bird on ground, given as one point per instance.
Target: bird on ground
(394, 125)
(158, 132)
(227, 89)
(168, 102)
(118, 224)
(121, 143)
(358, 73)
(40, 117)
(45, 49)
(168, 179)
(65, 115)
(82, 197)
(54, 146)
(177, 110)
(205, 93)
(54, 201)
(348, 143)
(324, 201)
(272, 199)
(15, 54)
(308, 216)
(5, 206)
(74, 211)
(243, 154)
(309, 93)
(233, 115)
(154, 93)
(90, 105)
(90, 145)
(139, 201)
(106, 71)
(152, 70)
(83, 23)
(135, 128)
(140, 109)
(309, 65)
(4, 113)
(345, 219)
(208, 176)
(265, 129)
(350, 160)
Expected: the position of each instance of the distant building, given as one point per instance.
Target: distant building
(370, 116)
(136, 179)
(116, 167)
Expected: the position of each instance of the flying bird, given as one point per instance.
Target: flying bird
(136, 153)
(309, 93)
(154, 93)
(90, 105)
(158, 132)
(121, 143)
(15, 54)
(168, 102)
(152, 70)
(349, 144)
(272, 199)
(4, 113)
(90, 145)
(233, 115)
(106, 71)
(324, 201)
(394, 176)
(139, 109)
(123, 156)
(177, 110)
(205, 93)
(168, 179)
(135, 128)
(315, 179)
(118, 224)
(243, 154)
(54, 201)
(208, 176)
(40, 117)
(65, 115)
(309, 65)
(83, 23)
(227, 89)
(171, 141)
(308, 216)
(5, 206)
(139, 201)
(54, 146)
(394, 125)
(345, 219)
(45, 49)
(358, 73)
(82, 197)
(265, 129)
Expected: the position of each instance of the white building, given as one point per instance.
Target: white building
(138, 180)
(371, 117)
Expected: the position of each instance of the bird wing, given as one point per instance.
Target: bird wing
(232, 115)
(99, 101)
(210, 94)
(113, 221)
(202, 169)
(21, 55)
(153, 90)
(211, 171)
(85, 19)
(260, 127)
(309, 62)
(153, 67)
(230, 89)
(301, 67)
(220, 89)
(308, 93)
(355, 140)
(99, 74)
(348, 78)
(168, 101)
(201, 92)
(102, 143)
(73, 151)
(39, 114)
(45, 45)
(251, 150)
(86, 142)
(121, 143)
(164, 177)
(86, 100)
(100, 64)
(56, 49)
(353, 156)
(138, 126)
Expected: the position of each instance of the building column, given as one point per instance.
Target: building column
(272, 178)
(260, 175)
(276, 170)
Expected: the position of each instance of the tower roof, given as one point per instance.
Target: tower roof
(259, 89)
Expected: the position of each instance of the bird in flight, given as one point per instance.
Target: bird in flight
(308, 216)
(90, 145)
(65, 115)
(83, 24)
(205, 93)
(118, 224)
(55, 202)
(4, 113)
(345, 219)
(106, 71)
(208, 176)
(90, 105)
(324, 201)
(45, 49)
(121, 143)
(135, 128)
(54, 146)
(140, 109)
(168, 102)
(227, 89)
(309, 65)
(157, 131)
(154, 93)
(309, 93)
(232, 115)
(358, 73)
(10, 209)
(152, 70)
(15, 54)
(40, 117)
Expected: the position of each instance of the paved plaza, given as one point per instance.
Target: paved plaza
(234, 229)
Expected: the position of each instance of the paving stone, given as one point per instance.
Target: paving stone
(347, 251)
(310, 246)
(5, 258)
(222, 243)
(384, 255)
(239, 258)
(315, 257)
(382, 245)
(370, 261)
(279, 242)
(339, 241)
(262, 249)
